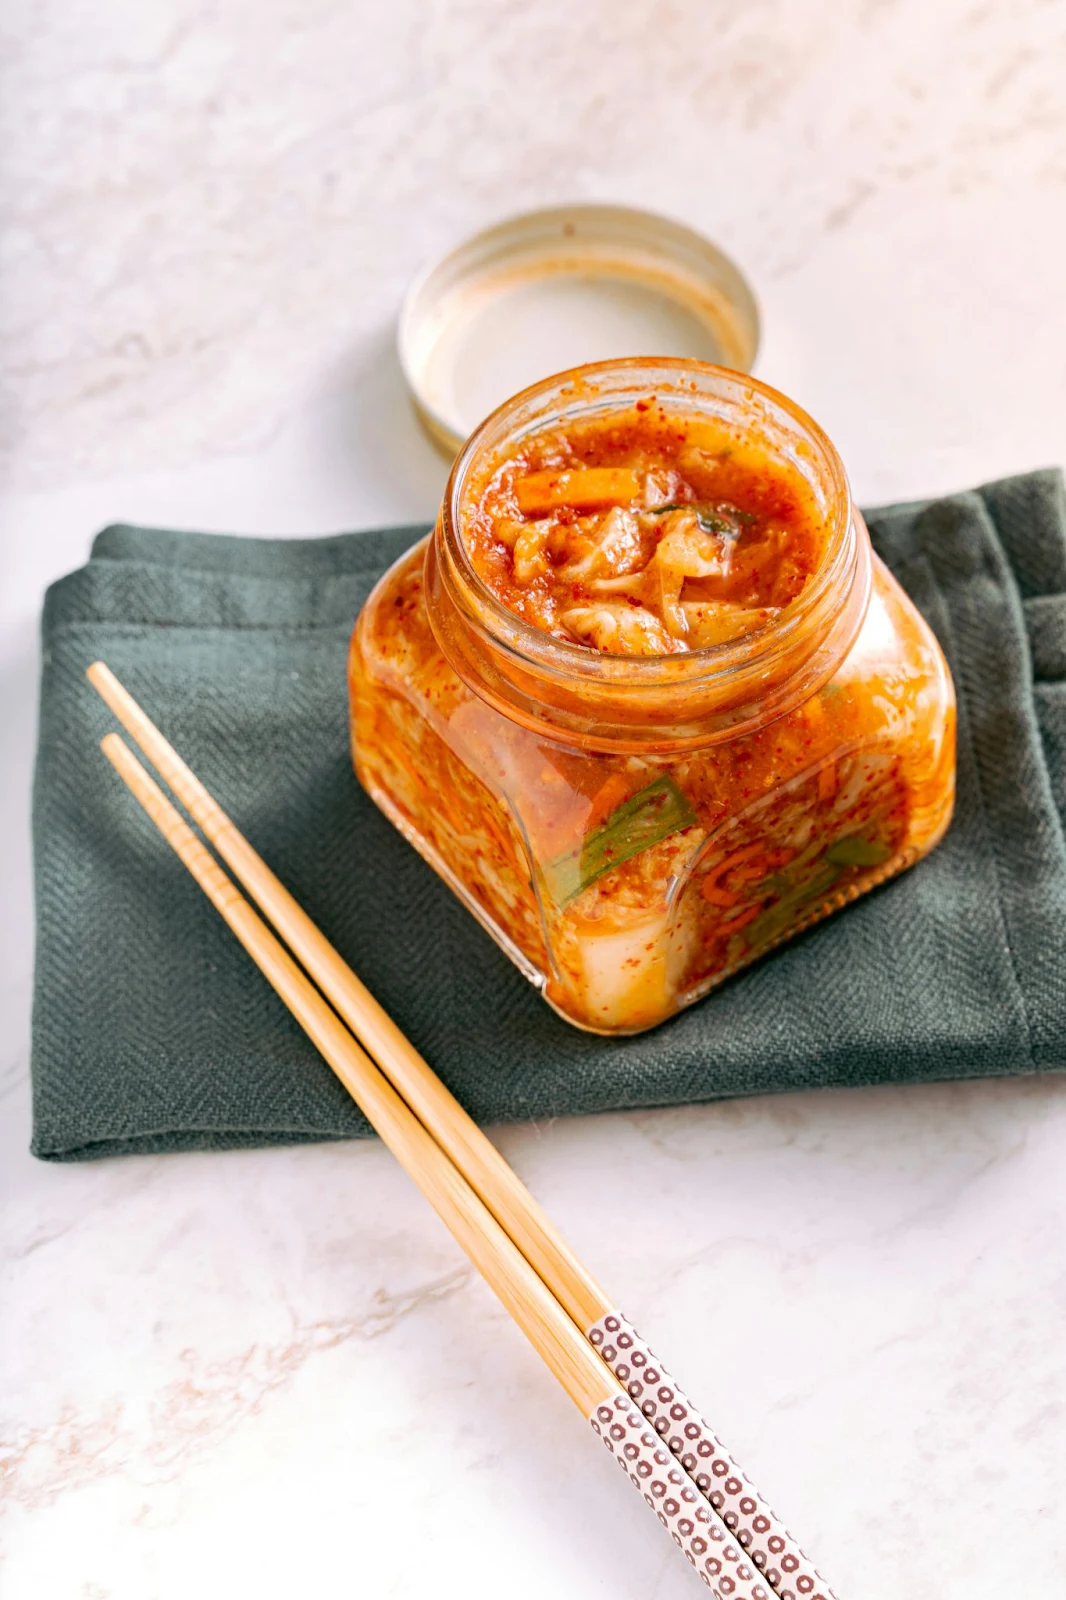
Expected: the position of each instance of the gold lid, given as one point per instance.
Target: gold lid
(553, 289)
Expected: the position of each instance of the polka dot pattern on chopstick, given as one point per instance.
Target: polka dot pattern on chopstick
(767, 1543)
(694, 1525)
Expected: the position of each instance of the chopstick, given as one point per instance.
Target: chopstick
(695, 1526)
(766, 1541)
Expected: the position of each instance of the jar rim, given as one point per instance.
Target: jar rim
(525, 642)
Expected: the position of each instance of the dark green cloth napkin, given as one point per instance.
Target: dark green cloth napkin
(153, 1031)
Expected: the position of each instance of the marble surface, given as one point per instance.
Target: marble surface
(272, 1373)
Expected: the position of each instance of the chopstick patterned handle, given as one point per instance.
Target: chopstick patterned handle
(767, 1543)
(695, 1526)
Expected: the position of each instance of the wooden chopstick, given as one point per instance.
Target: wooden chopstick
(695, 1526)
(690, 1438)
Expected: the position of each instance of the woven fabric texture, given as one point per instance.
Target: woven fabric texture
(153, 1031)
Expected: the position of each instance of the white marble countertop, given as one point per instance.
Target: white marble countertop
(272, 1373)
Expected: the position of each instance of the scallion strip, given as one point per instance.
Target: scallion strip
(646, 818)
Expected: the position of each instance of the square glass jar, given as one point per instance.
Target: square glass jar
(634, 830)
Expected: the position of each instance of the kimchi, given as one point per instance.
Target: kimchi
(646, 699)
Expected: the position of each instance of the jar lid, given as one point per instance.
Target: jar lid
(553, 289)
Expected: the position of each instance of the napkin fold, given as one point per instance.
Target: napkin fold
(153, 1031)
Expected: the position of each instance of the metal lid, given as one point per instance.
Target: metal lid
(557, 288)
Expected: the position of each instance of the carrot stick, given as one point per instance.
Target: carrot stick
(584, 489)
(606, 799)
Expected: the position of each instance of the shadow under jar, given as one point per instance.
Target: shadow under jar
(635, 813)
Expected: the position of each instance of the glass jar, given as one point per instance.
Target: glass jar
(634, 830)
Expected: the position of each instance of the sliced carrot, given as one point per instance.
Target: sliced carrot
(719, 897)
(584, 489)
(736, 857)
(711, 889)
(751, 871)
(606, 799)
(741, 920)
(827, 781)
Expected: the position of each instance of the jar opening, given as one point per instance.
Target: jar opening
(578, 694)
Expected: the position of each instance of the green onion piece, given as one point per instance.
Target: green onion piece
(854, 851)
(711, 523)
(776, 918)
(644, 819)
(721, 519)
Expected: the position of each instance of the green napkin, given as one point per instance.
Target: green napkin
(153, 1030)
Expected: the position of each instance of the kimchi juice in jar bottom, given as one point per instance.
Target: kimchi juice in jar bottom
(646, 699)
